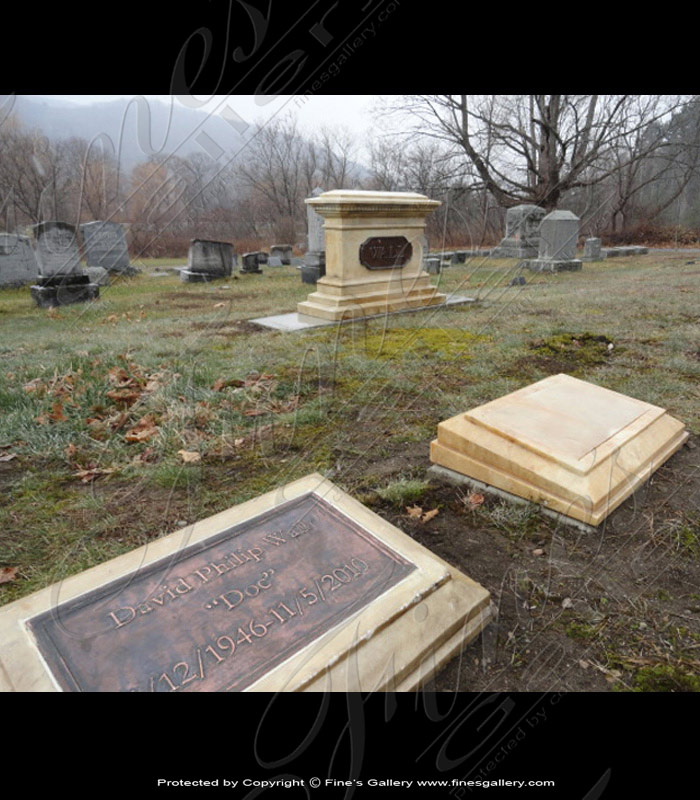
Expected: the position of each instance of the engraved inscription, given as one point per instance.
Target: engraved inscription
(221, 613)
(385, 252)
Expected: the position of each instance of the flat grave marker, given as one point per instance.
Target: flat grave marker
(300, 589)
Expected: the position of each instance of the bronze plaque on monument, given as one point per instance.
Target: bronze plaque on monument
(221, 613)
(385, 252)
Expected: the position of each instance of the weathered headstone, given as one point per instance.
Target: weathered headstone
(250, 262)
(577, 448)
(17, 261)
(275, 261)
(592, 249)
(207, 260)
(281, 251)
(61, 280)
(105, 246)
(558, 240)
(301, 589)
(314, 266)
(522, 237)
(374, 248)
(459, 257)
(98, 275)
(432, 265)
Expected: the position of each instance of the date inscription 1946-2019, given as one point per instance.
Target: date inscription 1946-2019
(385, 252)
(223, 612)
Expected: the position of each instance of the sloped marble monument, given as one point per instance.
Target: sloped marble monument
(576, 448)
(301, 589)
(558, 240)
(17, 261)
(105, 246)
(522, 239)
(62, 280)
(207, 260)
(374, 255)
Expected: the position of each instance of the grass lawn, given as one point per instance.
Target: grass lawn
(161, 404)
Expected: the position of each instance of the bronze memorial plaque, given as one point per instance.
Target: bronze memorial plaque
(220, 613)
(385, 252)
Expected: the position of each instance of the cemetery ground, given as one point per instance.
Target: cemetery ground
(161, 404)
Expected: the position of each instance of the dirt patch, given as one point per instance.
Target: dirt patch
(572, 353)
(614, 609)
(241, 326)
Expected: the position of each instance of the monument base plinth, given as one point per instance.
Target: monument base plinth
(576, 448)
(512, 249)
(64, 294)
(336, 300)
(189, 276)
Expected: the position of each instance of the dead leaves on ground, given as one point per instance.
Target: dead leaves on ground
(473, 500)
(189, 456)
(416, 512)
(8, 574)
(144, 429)
(88, 472)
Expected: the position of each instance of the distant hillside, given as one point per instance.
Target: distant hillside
(146, 129)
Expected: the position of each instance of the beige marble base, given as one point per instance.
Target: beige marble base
(396, 641)
(574, 447)
(335, 300)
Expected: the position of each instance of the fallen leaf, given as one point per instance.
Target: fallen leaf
(429, 515)
(538, 552)
(8, 456)
(70, 451)
(88, 475)
(255, 412)
(189, 456)
(567, 602)
(219, 305)
(145, 457)
(57, 414)
(37, 385)
(223, 383)
(125, 397)
(8, 574)
(475, 499)
(144, 429)
(414, 511)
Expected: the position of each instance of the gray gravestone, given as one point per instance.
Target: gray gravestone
(98, 275)
(315, 259)
(17, 261)
(208, 260)
(592, 250)
(522, 233)
(281, 251)
(432, 265)
(61, 280)
(558, 240)
(57, 249)
(250, 262)
(105, 246)
(275, 261)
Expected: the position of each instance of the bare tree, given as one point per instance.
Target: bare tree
(535, 148)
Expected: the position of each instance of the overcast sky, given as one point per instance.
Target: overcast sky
(351, 111)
